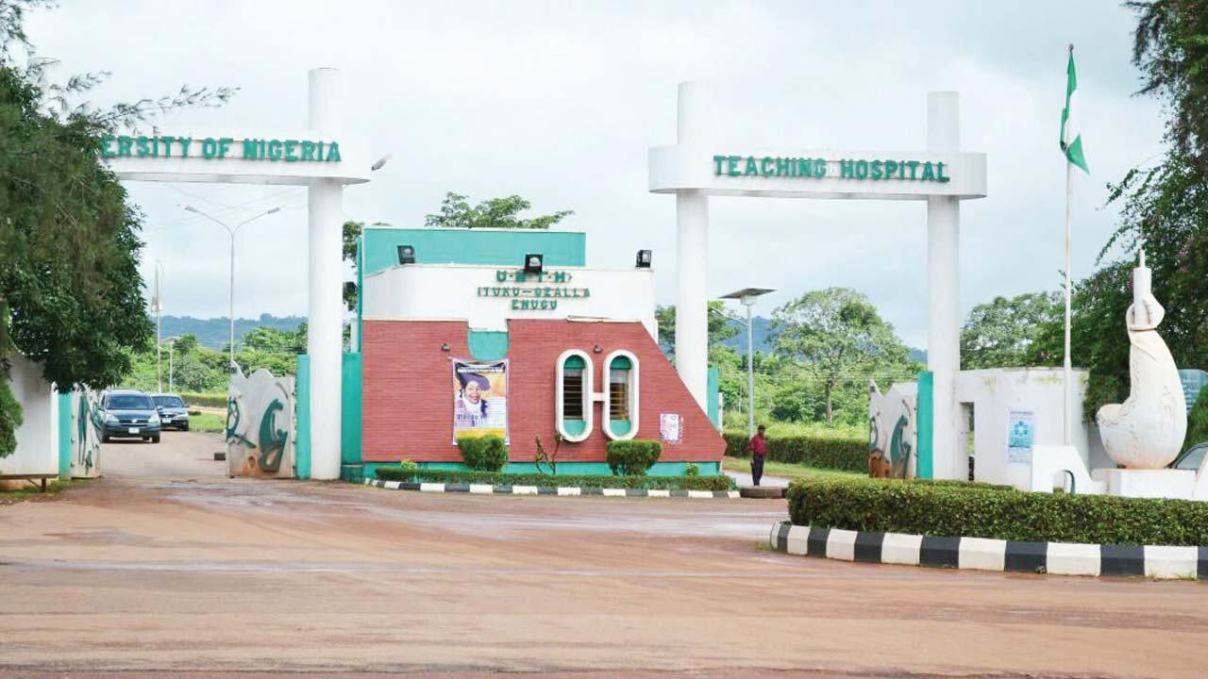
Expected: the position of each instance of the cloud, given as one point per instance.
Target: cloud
(559, 102)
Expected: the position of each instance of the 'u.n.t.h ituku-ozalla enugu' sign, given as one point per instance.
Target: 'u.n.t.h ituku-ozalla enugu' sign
(817, 168)
(219, 148)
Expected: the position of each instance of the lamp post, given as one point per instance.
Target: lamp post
(171, 342)
(157, 302)
(231, 286)
(748, 296)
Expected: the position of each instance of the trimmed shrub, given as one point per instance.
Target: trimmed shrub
(951, 509)
(218, 400)
(691, 470)
(633, 458)
(483, 453)
(843, 452)
(721, 482)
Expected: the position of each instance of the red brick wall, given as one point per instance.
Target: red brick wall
(408, 399)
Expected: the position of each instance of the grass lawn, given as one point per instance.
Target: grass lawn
(208, 422)
(786, 470)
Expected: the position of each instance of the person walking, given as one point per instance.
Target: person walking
(758, 447)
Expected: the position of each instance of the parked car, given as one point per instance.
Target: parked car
(130, 414)
(1191, 458)
(172, 411)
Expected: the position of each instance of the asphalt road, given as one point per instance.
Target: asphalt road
(166, 566)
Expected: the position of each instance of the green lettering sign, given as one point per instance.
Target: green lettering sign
(856, 169)
(269, 150)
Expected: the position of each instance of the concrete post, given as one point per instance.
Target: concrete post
(325, 317)
(943, 290)
(692, 260)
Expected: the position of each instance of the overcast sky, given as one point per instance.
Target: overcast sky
(559, 102)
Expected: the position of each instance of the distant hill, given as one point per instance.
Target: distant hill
(213, 332)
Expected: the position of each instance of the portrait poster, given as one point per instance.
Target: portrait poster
(1021, 434)
(480, 398)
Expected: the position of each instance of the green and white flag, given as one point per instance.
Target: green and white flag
(1069, 128)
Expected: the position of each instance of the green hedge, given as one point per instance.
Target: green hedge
(501, 479)
(633, 458)
(483, 453)
(207, 400)
(951, 509)
(830, 452)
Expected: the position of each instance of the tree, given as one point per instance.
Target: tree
(1164, 209)
(722, 326)
(496, 213)
(1002, 333)
(839, 336)
(70, 291)
(264, 338)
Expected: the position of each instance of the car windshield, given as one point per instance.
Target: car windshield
(1194, 458)
(130, 402)
(169, 402)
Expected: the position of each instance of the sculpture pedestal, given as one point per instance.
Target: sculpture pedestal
(1171, 484)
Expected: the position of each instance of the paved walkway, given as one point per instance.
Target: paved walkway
(744, 479)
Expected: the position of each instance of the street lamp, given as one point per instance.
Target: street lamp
(231, 230)
(748, 296)
(171, 342)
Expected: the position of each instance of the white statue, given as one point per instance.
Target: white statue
(1147, 430)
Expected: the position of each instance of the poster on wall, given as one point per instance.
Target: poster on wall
(480, 399)
(669, 427)
(1021, 433)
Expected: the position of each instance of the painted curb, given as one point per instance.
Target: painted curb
(1060, 558)
(561, 491)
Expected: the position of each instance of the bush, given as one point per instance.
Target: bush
(691, 470)
(633, 458)
(483, 453)
(1197, 421)
(408, 466)
(721, 482)
(217, 400)
(838, 451)
(951, 509)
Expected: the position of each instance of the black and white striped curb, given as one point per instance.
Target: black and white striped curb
(489, 489)
(1063, 558)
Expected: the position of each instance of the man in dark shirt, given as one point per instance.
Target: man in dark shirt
(758, 447)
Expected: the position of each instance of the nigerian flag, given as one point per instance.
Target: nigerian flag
(1069, 128)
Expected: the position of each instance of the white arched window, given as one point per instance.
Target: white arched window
(621, 395)
(572, 407)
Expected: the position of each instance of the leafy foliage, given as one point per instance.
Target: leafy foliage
(838, 336)
(1002, 333)
(835, 451)
(10, 416)
(495, 213)
(719, 482)
(1197, 420)
(195, 368)
(633, 458)
(978, 510)
(721, 326)
(483, 453)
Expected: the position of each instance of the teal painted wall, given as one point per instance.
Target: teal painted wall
(564, 468)
(713, 398)
(350, 410)
(302, 413)
(472, 246)
(924, 468)
(488, 345)
(64, 435)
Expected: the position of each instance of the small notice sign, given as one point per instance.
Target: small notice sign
(1021, 434)
(669, 427)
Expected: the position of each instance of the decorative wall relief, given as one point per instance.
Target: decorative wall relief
(86, 424)
(260, 425)
(892, 431)
(1147, 430)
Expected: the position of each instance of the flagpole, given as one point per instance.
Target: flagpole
(1069, 383)
(1069, 370)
